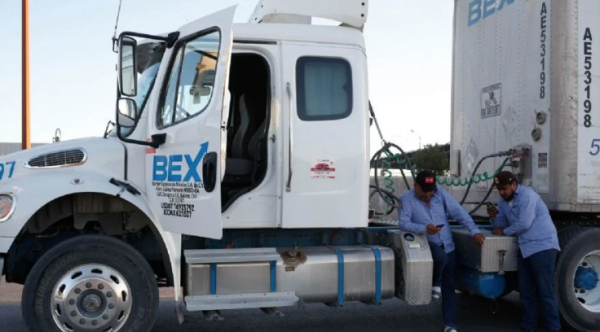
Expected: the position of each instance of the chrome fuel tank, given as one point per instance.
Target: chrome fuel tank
(317, 280)
(315, 274)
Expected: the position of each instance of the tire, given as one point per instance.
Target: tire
(578, 246)
(96, 280)
(565, 233)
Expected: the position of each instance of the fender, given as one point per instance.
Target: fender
(39, 188)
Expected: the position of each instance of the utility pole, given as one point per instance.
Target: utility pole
(25, 132)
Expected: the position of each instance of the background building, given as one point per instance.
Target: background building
(6, 148)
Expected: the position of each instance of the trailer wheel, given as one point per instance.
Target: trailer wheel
(577, 279)
(90, 283)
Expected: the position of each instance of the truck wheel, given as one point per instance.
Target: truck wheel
(90, 283)
(577, 279)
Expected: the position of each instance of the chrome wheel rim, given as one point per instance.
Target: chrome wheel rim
(587, 282)
(91, 297)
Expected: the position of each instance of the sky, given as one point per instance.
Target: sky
(73, 75)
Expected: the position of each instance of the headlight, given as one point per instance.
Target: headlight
(7, 207)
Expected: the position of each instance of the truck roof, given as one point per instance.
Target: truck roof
(299, 33)
(273, 32)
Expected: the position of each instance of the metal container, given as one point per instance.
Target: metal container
(414, 275)
(498, 253)
(312, 273)
(525, 73)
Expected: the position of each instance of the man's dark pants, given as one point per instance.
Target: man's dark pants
(536, 288)
(444, 273)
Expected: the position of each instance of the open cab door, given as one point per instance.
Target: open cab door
(184, 172)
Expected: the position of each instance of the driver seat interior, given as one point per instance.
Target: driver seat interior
(247, 127)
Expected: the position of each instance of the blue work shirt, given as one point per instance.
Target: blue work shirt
(415, 215)
(527, 217)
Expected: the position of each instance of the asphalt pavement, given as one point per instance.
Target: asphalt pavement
(475, 315)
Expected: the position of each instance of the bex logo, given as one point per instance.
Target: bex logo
(169, 168)
(485, 8)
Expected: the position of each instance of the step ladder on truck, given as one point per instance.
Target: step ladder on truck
(236, 174)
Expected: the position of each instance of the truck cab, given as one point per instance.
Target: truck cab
(250, 138)
(245, 114)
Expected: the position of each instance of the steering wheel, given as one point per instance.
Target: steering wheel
(180, 113)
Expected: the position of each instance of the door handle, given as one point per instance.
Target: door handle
(291, 141)
(209, 171)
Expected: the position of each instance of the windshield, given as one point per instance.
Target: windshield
(149, 56)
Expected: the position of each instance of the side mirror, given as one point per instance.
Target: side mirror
(127, 66)
(127, 113)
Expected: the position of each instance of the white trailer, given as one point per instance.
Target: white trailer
(526, 76)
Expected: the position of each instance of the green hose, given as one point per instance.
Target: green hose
(386, 164)
(388, 182)
(458, 182)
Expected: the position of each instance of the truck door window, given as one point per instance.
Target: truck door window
(190, 86)
(324, 88)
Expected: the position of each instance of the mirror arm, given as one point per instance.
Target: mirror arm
(157, 139)
(170, 39)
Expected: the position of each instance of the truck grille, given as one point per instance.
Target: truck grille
(58, 159)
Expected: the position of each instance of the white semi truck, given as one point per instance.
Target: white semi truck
(238, 174)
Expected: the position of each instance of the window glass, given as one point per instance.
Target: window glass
(324, 88)
(192, 79)
(166, 117)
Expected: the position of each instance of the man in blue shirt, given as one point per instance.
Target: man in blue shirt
(424, 211)
(523, 214)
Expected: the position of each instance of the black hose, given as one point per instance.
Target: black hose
(376, 122)
(387, 212)
(504, 164)
(385, 195)
(498, 154)
(386, 146)
(462, 201)
(410, 166)
(375, 161)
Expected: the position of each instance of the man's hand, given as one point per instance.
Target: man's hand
(498, 231)
(479, 239)
(492, 211)
(432, 229)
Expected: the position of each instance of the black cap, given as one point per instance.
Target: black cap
(426, 180)
(504, 178)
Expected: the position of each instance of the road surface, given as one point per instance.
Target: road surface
(474, 315)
